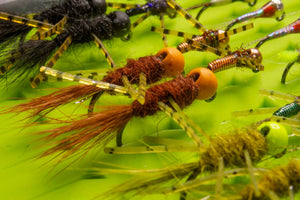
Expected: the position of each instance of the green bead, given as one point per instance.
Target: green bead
(276, 136)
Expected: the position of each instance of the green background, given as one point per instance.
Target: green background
(25, 177)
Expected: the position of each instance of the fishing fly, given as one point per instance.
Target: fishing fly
(100, 127)
(231, 147)
(218, 39)
(160, 8)
(281, 181)
(156, 7)
(283, 114)
(248, 58)
(291, 28)
(168, 62)
(21, 61)
(273, 8)
(215, 3)
(13, 26)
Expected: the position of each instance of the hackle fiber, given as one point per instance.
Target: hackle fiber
(101, 127)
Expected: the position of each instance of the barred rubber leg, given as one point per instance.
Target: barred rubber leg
(287, 121)
(86, 81)
(161, 145)
(193, 176)
(142, 88)
(259, 111)
(237, 30)
(131, 90)
(240, 29)
(162, 25)
(279, 95)
(8, 64)
(181, 122)
(220, 177)
(169, 142)
(203, 47)
(136, 95)
(140, 20)
(5, 67)
(186, 15)
(104, 51)
(172, 32)
(56, 29)
(251, 172)
(188, 120)
(136, 150)
(92, 74)
(25, 21)
(35, 81)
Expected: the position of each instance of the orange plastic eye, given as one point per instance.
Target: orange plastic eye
(173, 61)
(207, 82)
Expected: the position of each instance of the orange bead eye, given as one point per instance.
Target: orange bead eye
(207, 82)
(173, 61)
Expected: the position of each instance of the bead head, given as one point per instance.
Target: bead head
(273, 8)
(256, 58)
(99, 6)
(120, 23)
(276, 136)
(207, 82)
(173, 61)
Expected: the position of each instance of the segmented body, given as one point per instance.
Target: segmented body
(223, 63)
(250, 58)
(273, 8)
(213, 38)
(292, 28)
(288, 110)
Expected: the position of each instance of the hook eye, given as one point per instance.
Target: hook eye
(126, 38)
(281, 17)
(252, 3)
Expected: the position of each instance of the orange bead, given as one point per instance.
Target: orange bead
(207, 82)
(173, 61)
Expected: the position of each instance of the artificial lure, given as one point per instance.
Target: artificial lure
(168, 62)
(151, 8)
(218, 39)
(291, 28)
(279, 182)
(284, 115)
(282, 180)
(160, 8)
(215, 3)
(229, 147)
(13, 26)
(248, 58)
(273, 8)
(22, 61)
(99, 128)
